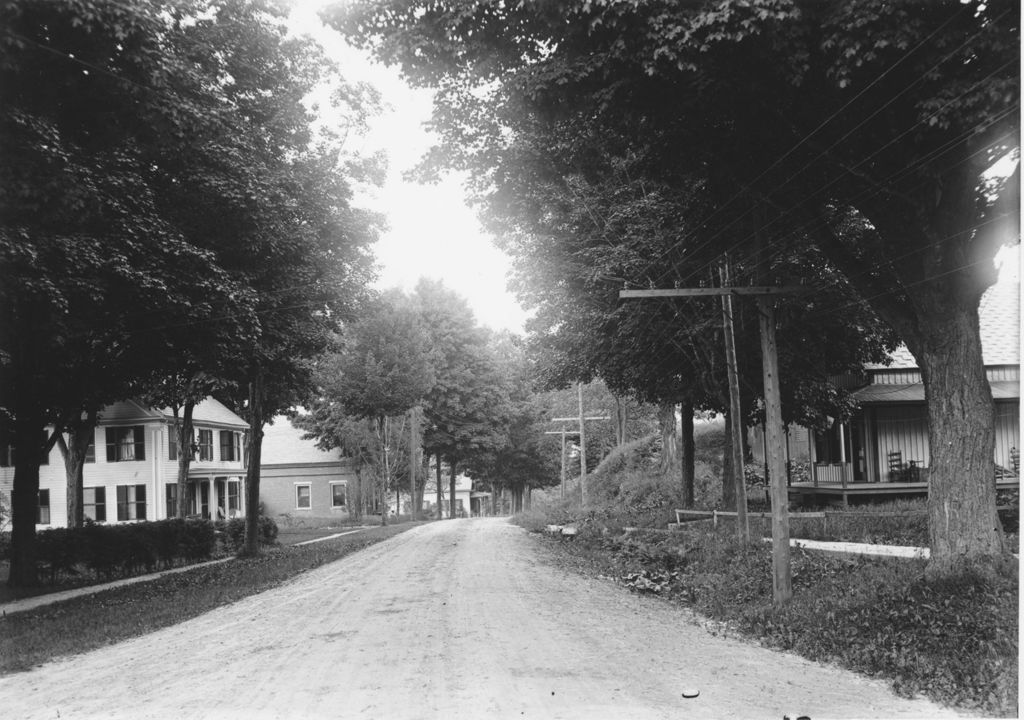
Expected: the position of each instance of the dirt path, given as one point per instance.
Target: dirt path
(448, 620)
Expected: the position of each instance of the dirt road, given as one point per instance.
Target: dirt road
(449, 620)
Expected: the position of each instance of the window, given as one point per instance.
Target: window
(230, 445)
(206, 444)
(43, 508)
(234, 505)
(302, 497)
(172, 443)
(90, 452)
(131, 502)
(7, 452)
(94, 504)
(337, 494)
(126, 443)
(171, 497)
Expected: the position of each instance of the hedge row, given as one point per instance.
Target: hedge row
(121, 550)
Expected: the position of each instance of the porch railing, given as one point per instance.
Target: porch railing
(832, 473)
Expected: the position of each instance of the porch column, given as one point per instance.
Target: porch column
(214, 499)
(870, 446)
(842, 457)
(812, 455)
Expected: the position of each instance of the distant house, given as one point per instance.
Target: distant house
(298, 479)
(466, 500)
(884, 449)
(134, 475)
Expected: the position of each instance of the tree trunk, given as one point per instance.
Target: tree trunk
(80, 433)
(29, 427)
(440, 513)
(383, 436)
(451, 488)
(356, 500)
(728, 471)
(185, 436)
(621, 416)
(963, 523)
(252, 473)
(413, 462)
(421, 487)
(687, 453)
(669, 439)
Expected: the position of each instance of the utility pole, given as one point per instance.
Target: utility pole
(735, 413)
(563, 432)
(782, 578)
(583, 454)
(583, 449)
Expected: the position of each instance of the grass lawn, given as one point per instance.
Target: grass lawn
(955, 641)
(90, 621)
(294, 536)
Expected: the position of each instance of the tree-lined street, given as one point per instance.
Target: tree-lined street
(448, 620)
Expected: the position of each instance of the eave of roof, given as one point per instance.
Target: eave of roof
(914, 392)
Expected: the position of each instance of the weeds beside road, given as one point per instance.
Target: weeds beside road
(954, 641)
(109, 616)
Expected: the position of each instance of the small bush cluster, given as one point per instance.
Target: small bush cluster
(120, 550)
(233, 532)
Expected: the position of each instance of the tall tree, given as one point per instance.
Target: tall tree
(116, 118)
(464, 409)
(89, 263)
(382, 370)
(863, 127)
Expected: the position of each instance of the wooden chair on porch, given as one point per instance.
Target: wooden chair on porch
(1013, 471)
(895, 466)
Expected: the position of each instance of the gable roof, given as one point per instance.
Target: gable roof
(999, 320)
(283, 445)
(210, 412)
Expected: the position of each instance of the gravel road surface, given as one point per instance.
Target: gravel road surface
(459, 619)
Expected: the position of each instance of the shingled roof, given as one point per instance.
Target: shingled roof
(999, 315)
(283, 445)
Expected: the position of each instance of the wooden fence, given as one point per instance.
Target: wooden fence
(822, 515)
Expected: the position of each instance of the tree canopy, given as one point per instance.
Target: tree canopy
(166, 210)
(862, 129)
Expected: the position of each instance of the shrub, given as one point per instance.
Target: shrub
(198, 540)
(58, 551)
(103, 551)
(140, 544)
(233, 532)
(167, 536)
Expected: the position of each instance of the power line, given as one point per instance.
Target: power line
(834, 144)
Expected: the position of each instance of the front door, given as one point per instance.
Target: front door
(222, 495)
(204, 499)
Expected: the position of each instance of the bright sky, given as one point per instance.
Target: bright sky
(432, 231)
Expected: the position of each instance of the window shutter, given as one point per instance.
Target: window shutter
(140, 502)
(225, 445)
(111, 437)
(101, 504)
(140, 442)
(122, 502)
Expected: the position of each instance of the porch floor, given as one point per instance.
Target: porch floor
(835, 492)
